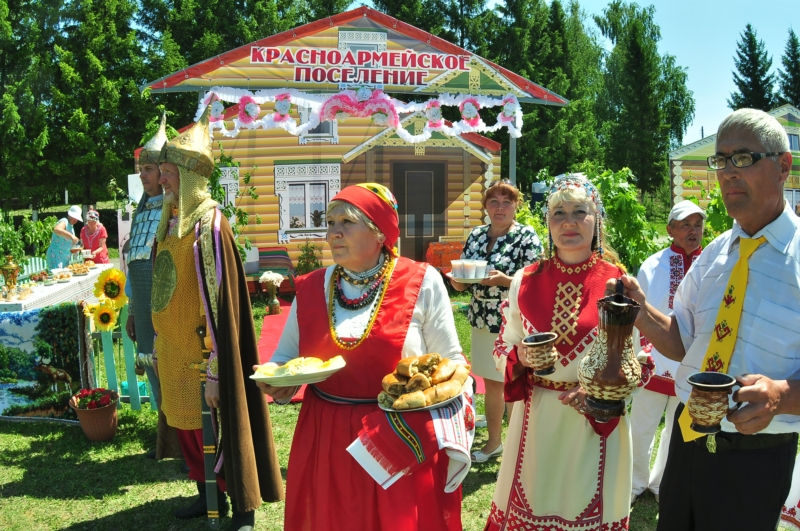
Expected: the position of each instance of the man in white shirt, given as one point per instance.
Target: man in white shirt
(659, 277)
(743, 483)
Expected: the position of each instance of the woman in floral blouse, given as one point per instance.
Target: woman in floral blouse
(508, 246)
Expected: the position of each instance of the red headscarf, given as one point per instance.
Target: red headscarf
(378, 204)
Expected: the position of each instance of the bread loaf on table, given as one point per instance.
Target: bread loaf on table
(413, 400)
(394, 384)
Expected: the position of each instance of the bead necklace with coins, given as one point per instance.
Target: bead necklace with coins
(378, 284)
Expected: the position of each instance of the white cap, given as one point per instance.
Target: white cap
(75, 212)
(683, 210)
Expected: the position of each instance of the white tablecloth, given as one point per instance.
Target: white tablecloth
(79, 288)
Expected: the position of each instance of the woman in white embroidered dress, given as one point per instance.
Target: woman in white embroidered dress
(561, 470)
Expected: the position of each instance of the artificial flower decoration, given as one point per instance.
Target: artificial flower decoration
(363, 94)
(105, 317)
(248, 110)
(510, 107)
(110, 287)
(434, 113)
(95, 398)
(469, 111)
(380, 118)
(342, 116)
(283, 104)
(217, 107)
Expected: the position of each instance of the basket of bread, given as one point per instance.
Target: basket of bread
(422, 382)
(298, 371)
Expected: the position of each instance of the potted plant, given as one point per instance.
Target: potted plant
(97, 412)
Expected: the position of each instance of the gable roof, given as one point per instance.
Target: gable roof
(787, 115)
(471, 142)
(223, 69)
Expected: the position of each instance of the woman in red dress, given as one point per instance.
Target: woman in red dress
(372, 308)
(94, 236)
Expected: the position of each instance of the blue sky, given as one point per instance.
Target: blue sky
(702, 35)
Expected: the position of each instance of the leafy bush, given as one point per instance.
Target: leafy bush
(238, 216)
(627, 229)
(717, 218)
(309, 258)
(10, 241)
(37, 234)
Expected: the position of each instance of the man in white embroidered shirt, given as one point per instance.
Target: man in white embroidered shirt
(741, 477)
(659, 277)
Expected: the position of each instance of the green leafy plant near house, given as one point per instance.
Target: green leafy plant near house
(238, 216)
(10, 241)
(309, 258)
(717, 218)
(37, 234)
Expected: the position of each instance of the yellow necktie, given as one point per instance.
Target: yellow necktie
(726, 327)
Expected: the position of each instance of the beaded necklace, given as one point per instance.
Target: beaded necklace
(577, 268)
(364, 277)
(382, 284)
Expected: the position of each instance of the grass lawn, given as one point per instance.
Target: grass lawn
(52, 477)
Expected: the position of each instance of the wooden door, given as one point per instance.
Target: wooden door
(419, 188)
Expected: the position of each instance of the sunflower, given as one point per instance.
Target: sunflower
(111, 287)
(105, 317)
(89, 309)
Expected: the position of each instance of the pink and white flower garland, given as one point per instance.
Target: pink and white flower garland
(364, 103)
(469, 112)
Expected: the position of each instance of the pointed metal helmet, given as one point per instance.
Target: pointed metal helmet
(192, 148)
(152, 149)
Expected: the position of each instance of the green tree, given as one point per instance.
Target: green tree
(644, 105)
(422, 14)
(789, 76)
(27, 33)
(179, 33)
(752, 77)
(98, 65)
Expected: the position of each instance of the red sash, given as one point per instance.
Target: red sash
(379, 353)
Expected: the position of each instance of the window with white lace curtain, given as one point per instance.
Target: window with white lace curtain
(304, 191)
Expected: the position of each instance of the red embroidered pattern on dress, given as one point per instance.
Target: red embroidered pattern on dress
(520, 516)
(572, 355)
(675, 275)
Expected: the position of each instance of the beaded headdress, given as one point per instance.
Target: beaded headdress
(573, 180)
(577, 181)
(152, 149)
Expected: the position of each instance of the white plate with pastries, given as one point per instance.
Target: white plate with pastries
(299, 371)
(421, 383)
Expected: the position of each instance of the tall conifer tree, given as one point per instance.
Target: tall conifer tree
(789, 76)
(756, 86)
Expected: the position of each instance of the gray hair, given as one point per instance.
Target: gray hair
(769, 132)
(349, 209)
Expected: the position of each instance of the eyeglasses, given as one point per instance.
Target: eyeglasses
(740, 160)
(504, 181)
